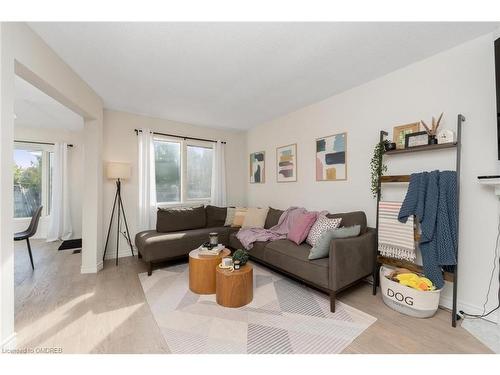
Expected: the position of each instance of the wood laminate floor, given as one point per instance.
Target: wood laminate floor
(57, 306)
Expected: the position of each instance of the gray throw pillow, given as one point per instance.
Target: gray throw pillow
(322, 247)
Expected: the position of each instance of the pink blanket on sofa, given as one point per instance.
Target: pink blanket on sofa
(248, 236)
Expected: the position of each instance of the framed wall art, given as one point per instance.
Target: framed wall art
(416, 139)
(331, 158)
(257, 167)
(286, 163)
(399, 133)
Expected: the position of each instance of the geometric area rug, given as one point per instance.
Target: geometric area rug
(285, 317)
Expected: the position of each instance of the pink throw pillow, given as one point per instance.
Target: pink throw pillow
(300, 229)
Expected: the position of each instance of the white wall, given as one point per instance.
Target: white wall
(75, 173)
(120, 144)
(24, 53)
(460, 80)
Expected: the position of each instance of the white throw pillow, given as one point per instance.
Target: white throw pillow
(255, 218)
(321, 225)
(231, 211)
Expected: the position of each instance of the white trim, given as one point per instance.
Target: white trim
(467, 307)
(92, 269)
(10, 342)
(122, 253)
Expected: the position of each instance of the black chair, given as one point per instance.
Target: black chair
(30, 232)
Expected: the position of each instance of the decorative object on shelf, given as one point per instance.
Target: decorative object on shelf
(213, 238)
(417, 139)
(240, 256)
(118, 171)
(399, 133)
(377, 166)
(286, 160)
(389, 146)
(331, 161)
(432, 131)
(257, 167)
(446, 136)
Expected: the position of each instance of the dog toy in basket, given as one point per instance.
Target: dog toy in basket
(411, 279)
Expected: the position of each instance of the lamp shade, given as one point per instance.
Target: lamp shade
(116, 170)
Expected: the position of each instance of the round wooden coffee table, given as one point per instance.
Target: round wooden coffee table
(235, 289)
(202, 271)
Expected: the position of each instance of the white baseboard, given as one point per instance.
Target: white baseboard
(468, 308)
(92, 269)
(9, 343)
(124, 252)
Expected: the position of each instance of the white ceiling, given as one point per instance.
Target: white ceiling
(238, 75)
(36, 109)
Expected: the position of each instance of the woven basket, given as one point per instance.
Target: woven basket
(406, 300)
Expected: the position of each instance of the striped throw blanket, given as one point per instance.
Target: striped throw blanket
(395, 239)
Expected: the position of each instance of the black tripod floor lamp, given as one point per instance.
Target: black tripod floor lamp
(118, 171)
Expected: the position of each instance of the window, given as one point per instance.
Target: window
(199, 172)
(183, 170)
(32, 175)
(168, 171)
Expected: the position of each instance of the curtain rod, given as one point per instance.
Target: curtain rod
(39, 143)
(180, 136)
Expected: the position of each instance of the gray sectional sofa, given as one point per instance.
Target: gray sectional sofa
(181, 230)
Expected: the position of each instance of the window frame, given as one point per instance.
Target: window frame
(46, 150)
(184, 144)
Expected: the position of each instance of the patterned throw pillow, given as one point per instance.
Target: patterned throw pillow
(322, 247)
(321, 226)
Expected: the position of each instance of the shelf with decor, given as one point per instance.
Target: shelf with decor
(422, 148)
(384, 179)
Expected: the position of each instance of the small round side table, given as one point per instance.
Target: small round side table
(202, 271)
(234, 289)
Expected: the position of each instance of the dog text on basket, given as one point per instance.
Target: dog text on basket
(399, 297)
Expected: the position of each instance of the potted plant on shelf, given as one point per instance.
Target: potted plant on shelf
(377, 166)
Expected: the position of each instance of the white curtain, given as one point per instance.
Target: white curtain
(60, 214)
(219, 175)
(147, 184)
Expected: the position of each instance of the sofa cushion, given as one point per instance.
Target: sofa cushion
(239, 217)
(351, 218)
(301, 227)
(177, 219)
(255, 218)
(155, 246)
(231, 211)
(292, 258)
(322, 225)
(216, 216)
(273, 216)
(322, 247)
